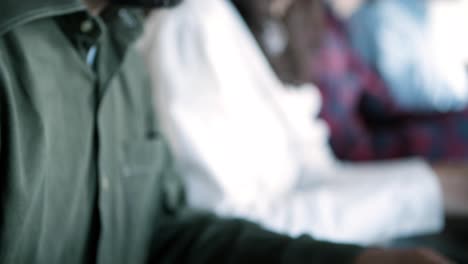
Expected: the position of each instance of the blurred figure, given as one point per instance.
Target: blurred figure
(366, 122)
(247, 147)
(287, 40)
(417, 60)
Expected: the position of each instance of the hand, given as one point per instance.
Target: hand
(454, 183)
(403, 256)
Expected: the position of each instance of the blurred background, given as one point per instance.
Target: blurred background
(332, 120)
(392, 75)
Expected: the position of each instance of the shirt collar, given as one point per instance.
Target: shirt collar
(122, 25)
(112, 32)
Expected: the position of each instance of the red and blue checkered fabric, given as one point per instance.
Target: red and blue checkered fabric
(365, 123)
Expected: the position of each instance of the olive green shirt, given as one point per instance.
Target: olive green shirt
(85, 175)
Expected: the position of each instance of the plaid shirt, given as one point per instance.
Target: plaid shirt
(365, 123)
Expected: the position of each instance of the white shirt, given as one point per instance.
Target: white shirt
(248, 147)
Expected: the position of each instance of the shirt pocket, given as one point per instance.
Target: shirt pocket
(148, 175)
(141, 190)
(143, 158)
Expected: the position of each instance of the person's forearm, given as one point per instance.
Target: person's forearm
(399, 198)
(365, 204)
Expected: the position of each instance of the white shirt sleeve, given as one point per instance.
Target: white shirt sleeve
(369, 203)
(247, 149)
(361, 203)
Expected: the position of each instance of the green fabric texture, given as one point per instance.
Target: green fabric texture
(14, 12)
(85, 174)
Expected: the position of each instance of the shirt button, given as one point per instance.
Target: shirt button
(105, 183)
(87, 26)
